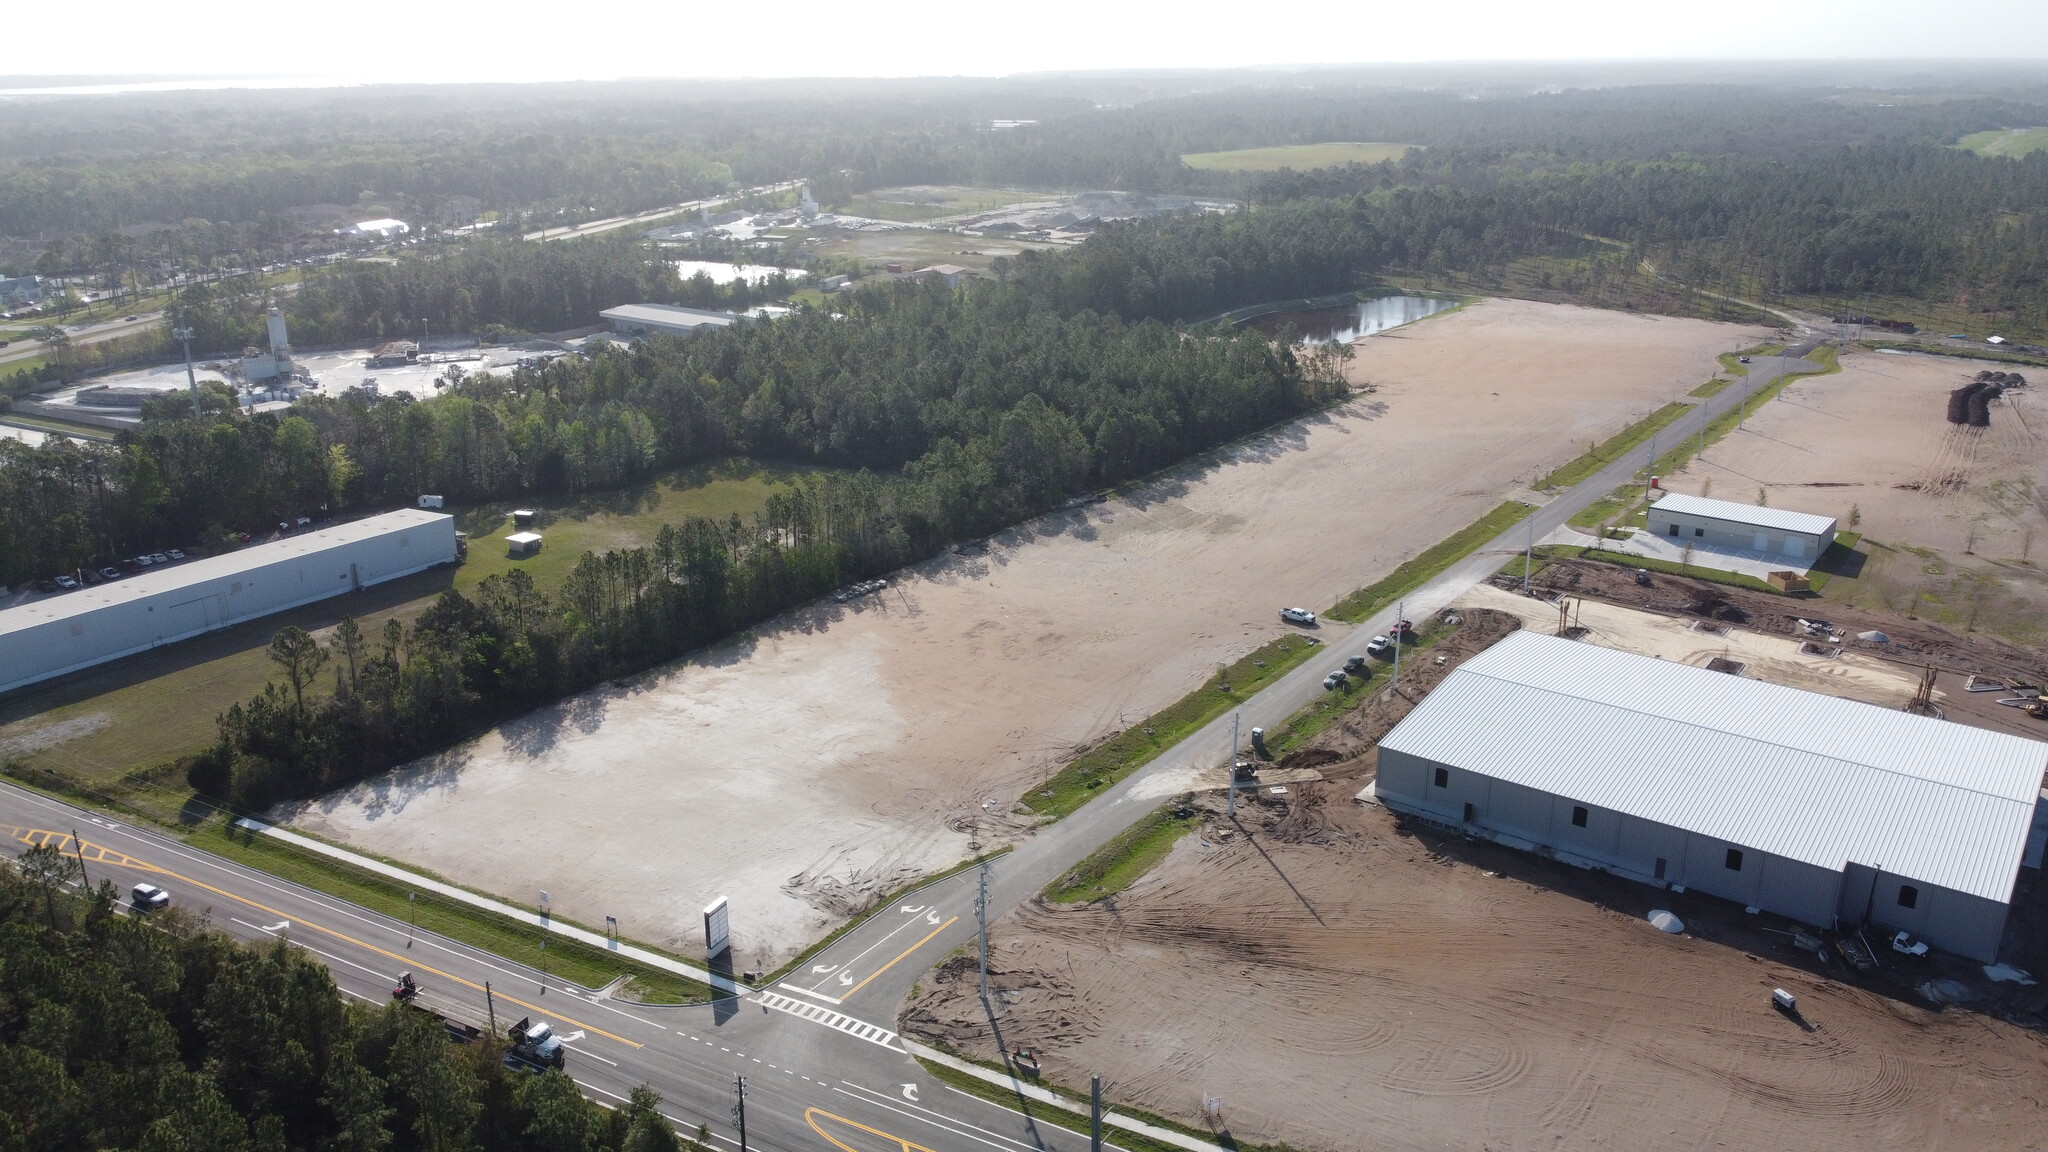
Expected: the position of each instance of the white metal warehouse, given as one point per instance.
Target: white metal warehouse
(63, 633)
(1827, 811)
(1726, 526)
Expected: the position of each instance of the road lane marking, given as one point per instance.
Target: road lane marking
(957, 1127)
(368, 947)
(801, 990)
(890, 935)
(811, 1116)
(900, 956)
(858, 1029)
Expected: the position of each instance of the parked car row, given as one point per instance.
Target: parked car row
(113, 571)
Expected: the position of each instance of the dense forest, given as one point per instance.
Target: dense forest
(161, 1035)
(994, 401)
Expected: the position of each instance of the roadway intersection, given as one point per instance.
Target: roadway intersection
(825, 1069)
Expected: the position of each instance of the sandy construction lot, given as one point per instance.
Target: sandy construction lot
(1872, 437)
(1340, 983)
(845, 749)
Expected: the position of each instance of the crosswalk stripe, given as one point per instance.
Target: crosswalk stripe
(859, 1029)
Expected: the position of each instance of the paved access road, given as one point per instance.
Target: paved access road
(824, 1069)
(862, 971)
(817, 1078)
(22, 348)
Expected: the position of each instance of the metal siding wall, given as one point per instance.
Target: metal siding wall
(1399, 775)
(1639, 842)
(1798, 890)
(124, 629)
(1706, 869)
(1600, 838)
(1518, 811)
(1961, 923)
(1885, 909)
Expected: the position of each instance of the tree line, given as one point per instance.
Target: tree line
(1001, 397)
(161, 1035)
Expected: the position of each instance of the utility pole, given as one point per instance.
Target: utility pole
(1095, 1114)
(78, 850)
(1230, 770)
(739, 1109)
(491, 1006)
(1528, 553)
(981, 918)
(184, 336)
(412, 919)
(1400, 613)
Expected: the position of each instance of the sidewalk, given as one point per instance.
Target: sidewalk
(1010, 1083)
(545, 922)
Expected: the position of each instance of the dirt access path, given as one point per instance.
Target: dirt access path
(845, 749)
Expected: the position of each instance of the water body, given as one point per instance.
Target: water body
(721, 273)
(1348, 322)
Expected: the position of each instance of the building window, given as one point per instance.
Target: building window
(1578, 816)
(1699, 531)
(1734, 861)
(1443, 777)
(1909, 896)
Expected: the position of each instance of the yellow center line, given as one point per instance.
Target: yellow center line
(899, 956)
(405, 960)
(811, 1117)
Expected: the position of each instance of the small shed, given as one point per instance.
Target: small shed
(1725, 526)
(524, 517)
(523, 543)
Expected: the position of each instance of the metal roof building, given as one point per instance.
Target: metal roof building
(1726, 526)
(1825, 810)
(72, 630)
(640, 319)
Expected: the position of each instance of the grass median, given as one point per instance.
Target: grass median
(564, 958)
(1123, 861)
(1611, 449)
(1429, 563)
(1117, 757)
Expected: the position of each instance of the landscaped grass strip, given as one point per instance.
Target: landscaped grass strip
(1612, 448)
(565, 958)
(1430, 562)
(1130, 749)
(1120, 863)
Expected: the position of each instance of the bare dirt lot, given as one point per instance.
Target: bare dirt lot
(1340, 981)
(1954, 514)
(847, 748)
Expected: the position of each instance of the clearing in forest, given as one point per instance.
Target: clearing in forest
(1300, 157)
(846, 748)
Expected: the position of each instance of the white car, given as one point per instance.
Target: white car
(1297, 616)
(1379, 646)
(149, 896)
(1906, 942)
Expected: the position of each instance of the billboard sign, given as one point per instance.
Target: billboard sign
(717, 928)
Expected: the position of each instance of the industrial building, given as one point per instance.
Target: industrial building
(74, 630)
(1829, 812)
(1725, 526)
(665, 319)
(383, 228)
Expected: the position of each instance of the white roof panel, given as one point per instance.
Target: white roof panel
(192, 573)
(1779, 518)
(669, 315)
(1812, 778)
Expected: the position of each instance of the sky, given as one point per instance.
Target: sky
(460, 40)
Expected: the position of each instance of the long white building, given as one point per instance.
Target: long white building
(1826, 811)
(73, 630)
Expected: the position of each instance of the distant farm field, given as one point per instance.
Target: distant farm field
(1300, 157)
(2013, 142)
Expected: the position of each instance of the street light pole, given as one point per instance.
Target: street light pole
(184, 336)
(981, 919)
(739, 1109)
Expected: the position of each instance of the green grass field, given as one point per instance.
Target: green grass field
(2014, 142)
(1429, 563)
(157, 706)
(1597, 457)
(916, 206)
(1300, 157)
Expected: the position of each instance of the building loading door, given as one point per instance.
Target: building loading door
(1762, 540)
(1859, 890)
